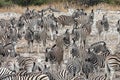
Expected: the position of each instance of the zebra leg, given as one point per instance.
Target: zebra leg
(112, 75)
(69, 55)
(44, 44)
(28, 46)
(32, 46)
(118, 38)
(38, 48)
(51, 34)
(84, 43)
(105, 36)
(107, 71)
(99, 37)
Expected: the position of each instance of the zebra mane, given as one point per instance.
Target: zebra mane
(98, 43)
(53, 46)
(7, 44)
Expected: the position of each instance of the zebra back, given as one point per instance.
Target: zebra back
(5, 71)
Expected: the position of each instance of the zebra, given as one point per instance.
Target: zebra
(75, 50)
(75, 32)
(92, 58)
(10, 49)
(30, 19)
(55, 54)
(2, 30)
(85, 31)
(11, 34)
(82, 19)
(29, 36)
(66, 38)
(105, 25)
(65, 20)
(1, 60)
(62, 74)
(112, 65)
(44, 36)
(29, 64)
(34, 76)
(73, 66)
(6, 28)
(50, 24)
(97, 54)
(97, 47)
(1, 49)
(27, 15)
(118, 29)
(92, 77)
(11, 63)
(78, 78)
(20, 23)
(37, 38)
(13, 21)
(87, 68)
(5, 71)
(98, 77)
(91, 16)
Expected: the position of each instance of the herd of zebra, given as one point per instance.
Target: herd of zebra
(70, 55)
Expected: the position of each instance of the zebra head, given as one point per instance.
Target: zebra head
(13, 21)
(99, 47)
(49, 55)
(20, 23)
(29, 14)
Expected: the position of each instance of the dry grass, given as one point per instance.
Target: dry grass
(19, 9)
(60, 6)
(105, 6)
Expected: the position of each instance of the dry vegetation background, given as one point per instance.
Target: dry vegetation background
(60, 6)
